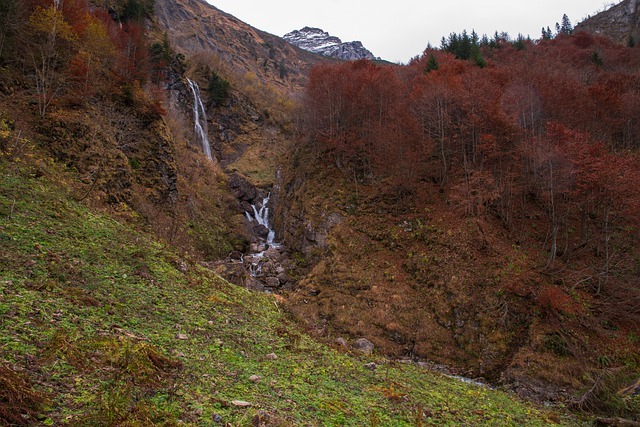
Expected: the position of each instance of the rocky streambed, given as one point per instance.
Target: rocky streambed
(265, 265)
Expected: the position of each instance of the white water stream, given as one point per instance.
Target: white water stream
(261, 217)
(200, 119)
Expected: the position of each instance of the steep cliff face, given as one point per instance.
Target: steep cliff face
(620, 23)
(318, 41)
(196, 27)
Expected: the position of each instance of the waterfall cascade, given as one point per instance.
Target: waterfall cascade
(200, 119)
(260, 216)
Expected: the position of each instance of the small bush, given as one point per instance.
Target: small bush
(19, 403)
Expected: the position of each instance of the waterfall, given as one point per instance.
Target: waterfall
(261, 216)
(200, 119)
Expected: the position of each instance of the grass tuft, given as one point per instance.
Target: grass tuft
(20, 404)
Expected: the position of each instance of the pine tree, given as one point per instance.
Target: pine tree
(597, 59)
(566, 27)
(520, 42)
(432, 64)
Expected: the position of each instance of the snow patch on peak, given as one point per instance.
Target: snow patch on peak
(319, 41)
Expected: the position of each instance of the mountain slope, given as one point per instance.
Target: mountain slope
(620, 23)
(196, 27)
(104, 325)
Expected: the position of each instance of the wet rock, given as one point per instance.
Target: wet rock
(261, 230)
(271, 282)
(236, 256)
(232, 271)
(284, 278)
(364, 346)
(217, 419)
(246, 206)
(241, 188)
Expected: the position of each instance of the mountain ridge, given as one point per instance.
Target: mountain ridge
(321, 42)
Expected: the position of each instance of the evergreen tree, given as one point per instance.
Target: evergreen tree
(464, 47)
(218, 88)
(519, 43)
(432, 64)
(566, 27)
(597, 59)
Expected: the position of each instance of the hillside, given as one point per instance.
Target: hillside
(460, 210)
(472, 213)
(105, 325)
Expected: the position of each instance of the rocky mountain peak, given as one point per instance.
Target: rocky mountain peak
(321, 42)
(620, 22)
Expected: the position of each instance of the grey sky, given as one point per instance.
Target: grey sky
(398, 30)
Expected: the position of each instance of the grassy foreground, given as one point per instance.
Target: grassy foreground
(103, 326)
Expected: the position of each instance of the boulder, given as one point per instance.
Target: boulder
(271, 282)
(364, 346)
(261, 230)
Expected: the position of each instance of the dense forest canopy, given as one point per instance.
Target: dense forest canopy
(508, 131)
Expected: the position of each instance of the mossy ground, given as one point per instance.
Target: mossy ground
(109, 327)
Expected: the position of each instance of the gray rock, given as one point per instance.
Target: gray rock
(271, 282)
(271, 356)
(619, 22)
(261, 230)
(364, 346)
(371, 366)
(241, 188)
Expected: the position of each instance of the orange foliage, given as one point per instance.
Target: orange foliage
(556, 300)
(545, 135)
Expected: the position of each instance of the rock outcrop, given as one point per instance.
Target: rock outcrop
(620, 23)
(318, 41)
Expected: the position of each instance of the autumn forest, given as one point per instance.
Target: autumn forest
(472, 213)
(547, 130)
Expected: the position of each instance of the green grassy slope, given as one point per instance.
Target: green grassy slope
(102, 325)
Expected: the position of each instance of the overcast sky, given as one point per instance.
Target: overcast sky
(397, 30)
